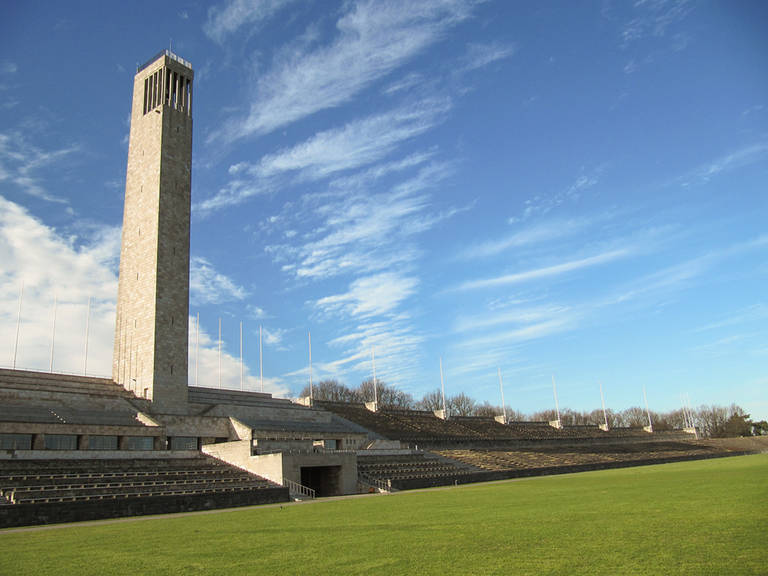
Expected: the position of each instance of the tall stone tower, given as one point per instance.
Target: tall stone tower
(151, 332)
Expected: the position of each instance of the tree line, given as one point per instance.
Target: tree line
(714, 421)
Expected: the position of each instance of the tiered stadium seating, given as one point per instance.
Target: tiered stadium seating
(418, 426)
(43, 481)
(421, 425)
(399, 467)
(553, 457)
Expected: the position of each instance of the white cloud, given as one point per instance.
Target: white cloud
(374, 38)
(654, 18)
(204, 366)
(539, 234)
(740, 158)
(754, 313)
(224, 21)
(516, 315)
(405, 83)
(542, 204)
(481, 55)
(207, 286)
(7, 68)
(69, 269)
(522, 334)
(396, 343)
(22, 164)
(546, 272)
(354, 230)
(370, 296)
(357, 144)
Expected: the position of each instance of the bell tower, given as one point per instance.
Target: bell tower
(151, 331)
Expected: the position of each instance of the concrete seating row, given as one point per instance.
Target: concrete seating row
(400, 467)
(112, 495)
(423, 426)
(76, 480)
(31, 381)
(573, 455)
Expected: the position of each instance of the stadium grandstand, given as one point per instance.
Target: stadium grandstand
(145, 442)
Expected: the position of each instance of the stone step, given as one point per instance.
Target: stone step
(47, 382)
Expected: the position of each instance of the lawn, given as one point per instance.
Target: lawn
(704, 517)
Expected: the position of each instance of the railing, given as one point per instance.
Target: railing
(296, 489)
(302, 451)
(380, 485)
(170, 55)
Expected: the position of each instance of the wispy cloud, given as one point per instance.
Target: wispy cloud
(740, 158)
(361, 231)
(542, 233)
(22, 164)
(532, 331)
(542, 204)
(754, 313)
(374, 38)
(207, 286)
(370, 296)
(654, 18)
(516, 315)
(357, 144)
(481, 55)
(228, 18)
(546, 272)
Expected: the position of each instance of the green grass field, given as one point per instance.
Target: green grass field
(705, 517)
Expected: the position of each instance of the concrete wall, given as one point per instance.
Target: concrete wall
(287, 464)
(294, 462)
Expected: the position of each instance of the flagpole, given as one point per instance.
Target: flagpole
(219, 351)
(241, 354)
(18, 325)
(311, 394)
(53, 332)
(87, 326)
(503, 406)
(602, 400)
(375, 392)
(442, 388)
(197, 347)
(261, 365)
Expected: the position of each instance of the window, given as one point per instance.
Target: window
(183, 443)
(15, 441)
(138, 443)
(102, 443)
(60, 441)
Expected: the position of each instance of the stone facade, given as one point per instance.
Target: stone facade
(151, 331)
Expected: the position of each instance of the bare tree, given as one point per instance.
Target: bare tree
(487, 410)
(634, 417)
(460, 405)
(386, 394)
(329, 391)
(544, 416)
(431, 401)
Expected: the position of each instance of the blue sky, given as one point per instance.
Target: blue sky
(574, 189)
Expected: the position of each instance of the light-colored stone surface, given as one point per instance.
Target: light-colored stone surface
(151, 331)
